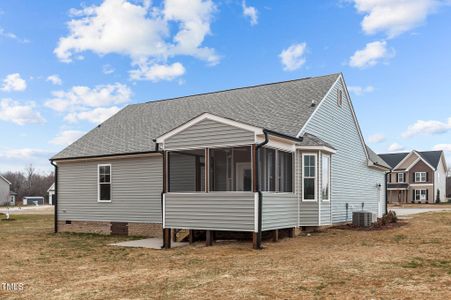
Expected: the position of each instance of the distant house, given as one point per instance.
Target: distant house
(33, 200)
(264, 158)
(51, 192)
(5, 191)
(416, 177)
(448, 187)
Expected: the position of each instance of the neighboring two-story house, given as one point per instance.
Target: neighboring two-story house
(416, 177)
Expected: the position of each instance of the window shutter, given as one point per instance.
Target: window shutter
(397, 177)
(427, 176)
(413, 177)
(427, 195)
(413, 195)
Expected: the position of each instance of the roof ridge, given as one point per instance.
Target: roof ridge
(234, 89)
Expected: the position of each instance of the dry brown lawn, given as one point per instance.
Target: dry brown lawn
(443, 205)
(408, 262)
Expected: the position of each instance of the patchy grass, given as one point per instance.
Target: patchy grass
(408, 262)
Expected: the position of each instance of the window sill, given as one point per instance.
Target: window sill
(104, 201)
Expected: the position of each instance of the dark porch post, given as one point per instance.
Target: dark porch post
(166, 231)
(256, 236)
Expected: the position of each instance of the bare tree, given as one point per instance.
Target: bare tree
(29, 182)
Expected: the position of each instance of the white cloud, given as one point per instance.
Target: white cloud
(395, 147)
(426, 127)
(360, 90)
(22, 153)
(20, 114)
(80, 97)
(250, 12)
(158, 72)
(107, 69)
(394, 17)
(142, 32)
(10, 35)
(372, 54)
(376, 138)
(67, 137)
(444, 147)
(55, 79)
(13, 82)
(293, 57)
(96, 116)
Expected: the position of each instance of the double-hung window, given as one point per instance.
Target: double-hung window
(104, 178)
(420, 177)
(309, 177)
(401, 177)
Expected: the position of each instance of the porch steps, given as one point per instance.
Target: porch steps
(181, 235)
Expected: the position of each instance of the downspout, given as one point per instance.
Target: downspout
(386, 193)
(56, 197)
(157, 147)
(260, 196)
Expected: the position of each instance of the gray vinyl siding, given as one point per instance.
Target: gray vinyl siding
(210, 211)
(4, 192)
(279, 210)
(136, 191)
(308, 210)
(352, 181)
(182, 172)
(209, 133)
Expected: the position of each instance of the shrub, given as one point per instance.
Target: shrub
(437, 200)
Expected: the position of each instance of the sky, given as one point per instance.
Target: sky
(66, 66)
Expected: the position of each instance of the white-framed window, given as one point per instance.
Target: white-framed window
(420, 176)
(401, 178)
(309, 177)
(340, 97)
(104, 182)
(325, 177)
(420, 195)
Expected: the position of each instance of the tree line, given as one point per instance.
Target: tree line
(29, 182)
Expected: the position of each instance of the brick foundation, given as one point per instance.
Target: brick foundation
(99, 227)
(144, 229)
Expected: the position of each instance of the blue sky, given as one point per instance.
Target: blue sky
(67, 65)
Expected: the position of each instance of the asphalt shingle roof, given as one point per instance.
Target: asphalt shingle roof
(376, 158)
(282, 107)
(393, 159)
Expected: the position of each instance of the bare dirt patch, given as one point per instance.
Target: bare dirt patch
(409, 262)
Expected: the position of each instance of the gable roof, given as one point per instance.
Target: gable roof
(431, 157)
(282, 107)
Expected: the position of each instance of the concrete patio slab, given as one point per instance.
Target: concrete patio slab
(151, 243)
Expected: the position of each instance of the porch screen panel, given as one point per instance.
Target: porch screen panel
(230, 169)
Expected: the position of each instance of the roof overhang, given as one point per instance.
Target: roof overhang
(6, 180)
(372, 164)
(317, 148)
(208, 116)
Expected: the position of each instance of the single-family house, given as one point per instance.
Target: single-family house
(51, 193)
(416, 177)
(5, 190)
(251, 160)
(448, 187)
